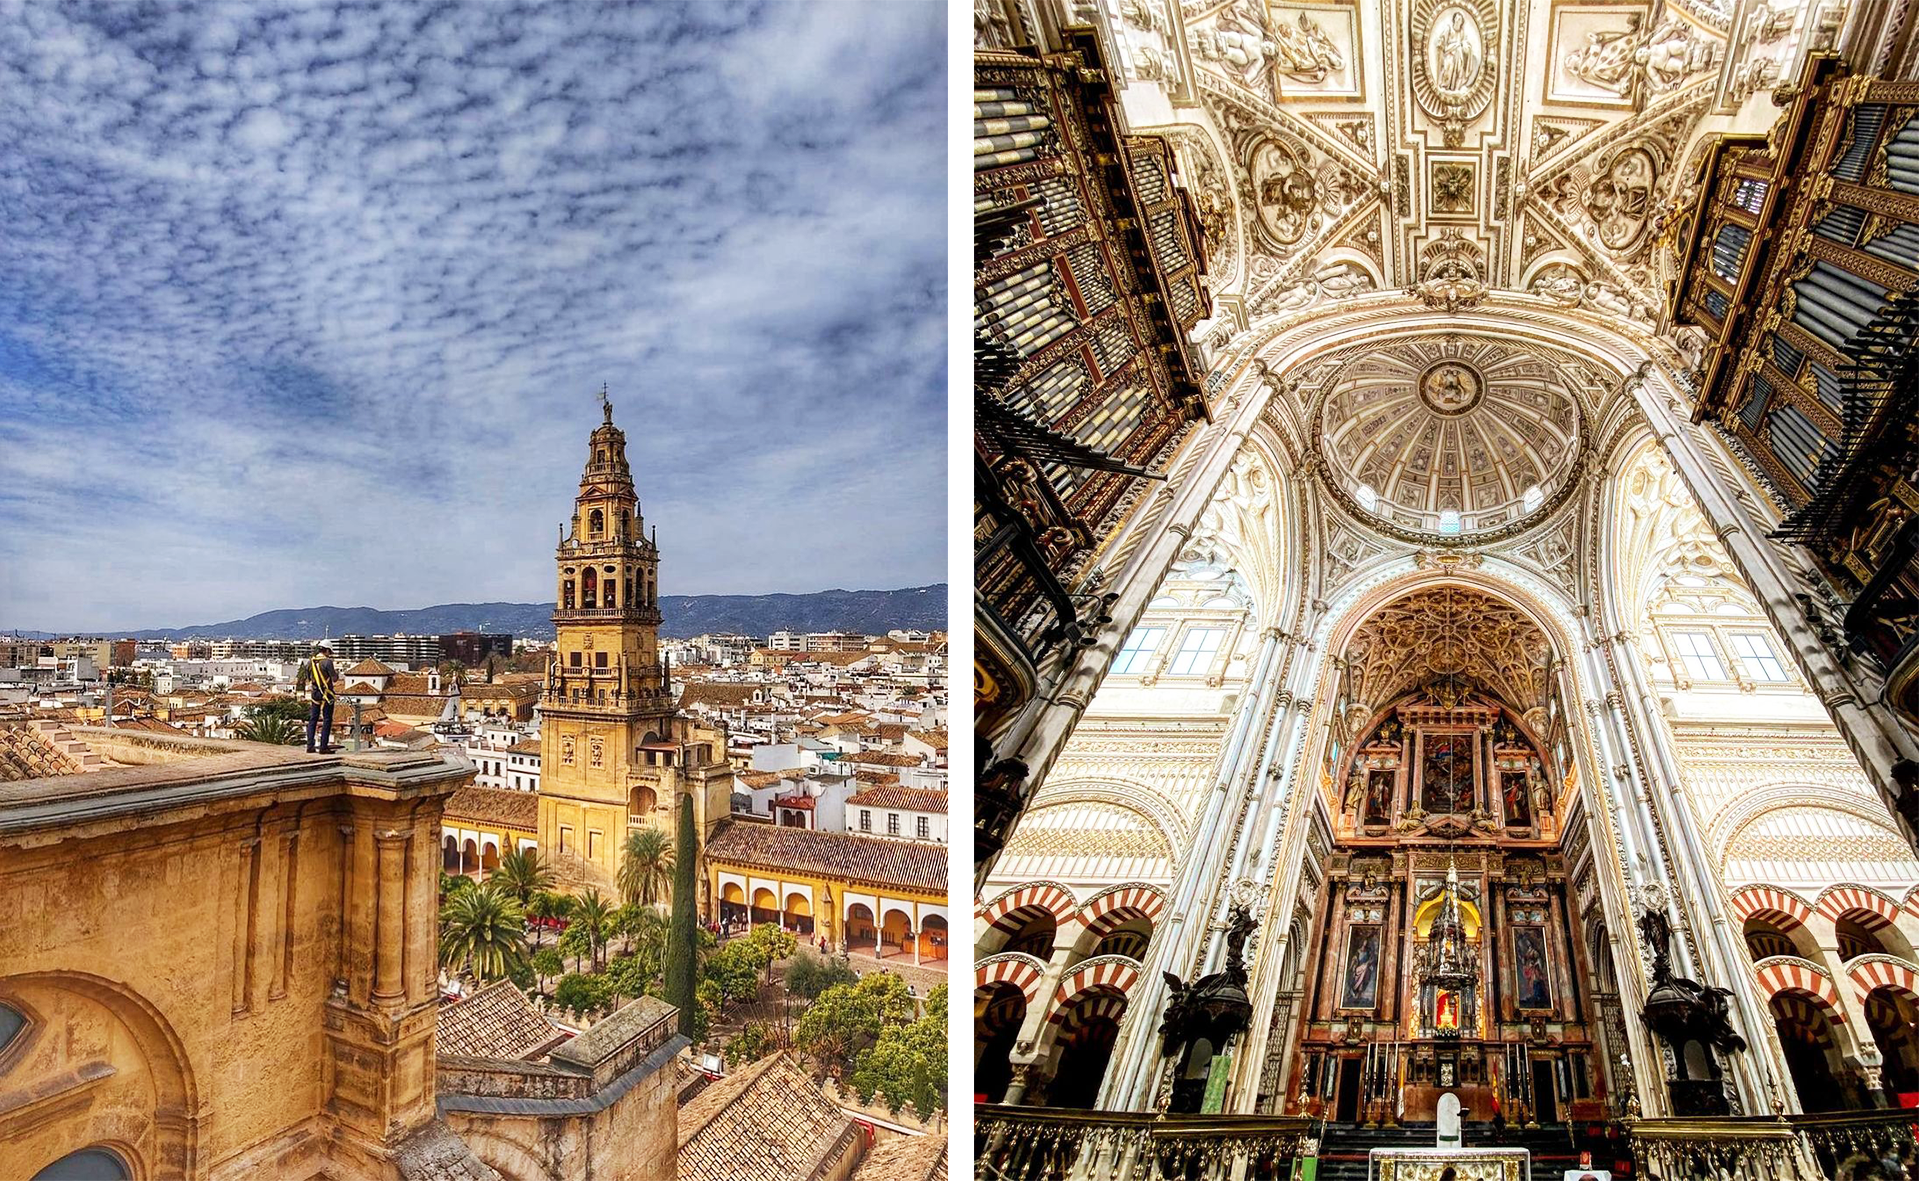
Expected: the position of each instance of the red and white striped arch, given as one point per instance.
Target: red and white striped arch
(1048, 896)
(1094, 1006)
(1769, 904)
(1800, 1009)
(1912, 901)
(1871, 909)
(1792, 975)
(1112, 907)
(1882, 971)
(1015, 968)
(1114, 972)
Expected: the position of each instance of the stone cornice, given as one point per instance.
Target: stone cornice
(229, 777)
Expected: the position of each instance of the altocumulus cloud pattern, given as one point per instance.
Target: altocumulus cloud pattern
(307, 303)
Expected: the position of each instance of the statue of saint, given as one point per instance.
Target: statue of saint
(1455, 57)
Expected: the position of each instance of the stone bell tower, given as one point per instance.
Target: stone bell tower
(614, 751)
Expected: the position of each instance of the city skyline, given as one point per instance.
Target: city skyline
(309, 306)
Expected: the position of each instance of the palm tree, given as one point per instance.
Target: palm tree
(593, 912)
(646, 867)
(523, 875)
(277, 731)
(642, 924)
(484, 930)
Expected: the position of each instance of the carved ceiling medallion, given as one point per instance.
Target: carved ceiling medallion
(1620, 197)
(1450, 389)
(1454, 75)
(1285, 195)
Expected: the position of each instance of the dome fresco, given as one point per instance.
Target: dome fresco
(1452, 435)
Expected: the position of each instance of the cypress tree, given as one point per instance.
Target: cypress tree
(683, 936)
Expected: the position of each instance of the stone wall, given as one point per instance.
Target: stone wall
(226, 963)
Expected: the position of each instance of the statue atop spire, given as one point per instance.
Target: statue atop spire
(606, 404)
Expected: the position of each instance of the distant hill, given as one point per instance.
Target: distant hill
(874, 612)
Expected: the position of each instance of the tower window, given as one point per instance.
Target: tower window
(575, 659)
(589, 589)
(599, 455)
(596, 522)
(599, 660)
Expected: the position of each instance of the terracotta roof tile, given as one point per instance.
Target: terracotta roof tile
(495, 805)
(709, 693)
(495, 1022)
(881, 758)
(906, 799)
(901, 864)
(769, 1122)
(368, 668)
(905, 1158)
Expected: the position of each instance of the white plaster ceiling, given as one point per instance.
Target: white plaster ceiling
(1333, 146)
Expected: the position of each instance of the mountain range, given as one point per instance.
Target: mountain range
(873, 612)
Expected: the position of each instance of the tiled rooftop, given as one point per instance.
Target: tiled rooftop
(901, 864)
(495, 805)
(906, 799)
(495, 1022)
(769, 1122)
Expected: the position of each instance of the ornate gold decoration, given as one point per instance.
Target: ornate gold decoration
(1448, 632)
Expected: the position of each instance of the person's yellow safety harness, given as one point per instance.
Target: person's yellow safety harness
(320, 680)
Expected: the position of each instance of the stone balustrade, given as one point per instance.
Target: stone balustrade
(1055, 1144)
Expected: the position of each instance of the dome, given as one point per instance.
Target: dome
(1452, 436)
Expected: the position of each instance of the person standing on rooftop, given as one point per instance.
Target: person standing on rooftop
(317, 675)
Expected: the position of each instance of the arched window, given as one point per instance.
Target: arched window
(596, 523)
(12, 1021)
(590, 588)
(89, 1164)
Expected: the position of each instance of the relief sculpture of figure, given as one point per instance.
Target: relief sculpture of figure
(1607, 59)
(1305, 52)
(1662, 57)
(1458, 57)
(1672, 54)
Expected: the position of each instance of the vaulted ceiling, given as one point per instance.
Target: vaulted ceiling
(1335, 146)
(1343, 150)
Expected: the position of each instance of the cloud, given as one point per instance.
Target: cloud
(310, 303)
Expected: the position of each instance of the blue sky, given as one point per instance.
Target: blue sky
(310, 303)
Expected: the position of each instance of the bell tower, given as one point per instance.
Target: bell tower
(614, 752)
